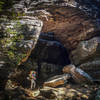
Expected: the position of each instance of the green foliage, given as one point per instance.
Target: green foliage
(15, 15)
(13, 36)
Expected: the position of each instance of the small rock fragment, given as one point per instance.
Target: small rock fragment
(57, 80)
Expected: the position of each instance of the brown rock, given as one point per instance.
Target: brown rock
(70, 25)
(54, 84)
(67, 69)
(57, 80)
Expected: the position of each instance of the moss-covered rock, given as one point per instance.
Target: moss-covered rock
(18, 39)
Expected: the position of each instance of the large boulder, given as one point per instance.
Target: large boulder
(77, 74)
(86, 51)
(17, 39)
(87, 57)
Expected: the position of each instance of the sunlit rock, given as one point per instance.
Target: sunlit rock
(53, 93)
(57, 80)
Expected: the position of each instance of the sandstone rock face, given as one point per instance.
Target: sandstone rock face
(91, 66)
(57, 80)
(77, 74)
(70, 26)
(64, 18)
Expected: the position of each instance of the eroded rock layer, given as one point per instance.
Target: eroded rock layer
(70, 25)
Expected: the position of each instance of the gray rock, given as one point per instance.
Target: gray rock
(92, 68)
(78, 74)
(86, 50)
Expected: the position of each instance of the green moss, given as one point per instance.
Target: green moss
(13, 36)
